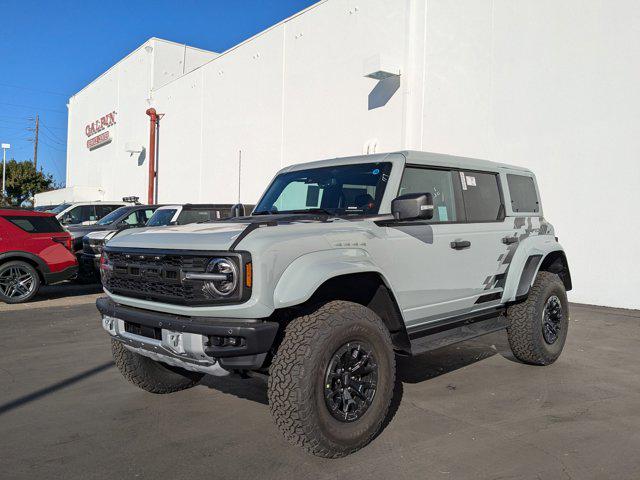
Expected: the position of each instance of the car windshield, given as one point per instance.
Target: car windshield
(59, 208)
(161, 217)
(355, 189)
(113, 216)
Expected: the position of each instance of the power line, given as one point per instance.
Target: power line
(50, 138)
(54, 135)
(48, 92)
(34, 108)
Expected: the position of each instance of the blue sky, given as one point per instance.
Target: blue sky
(51, 49)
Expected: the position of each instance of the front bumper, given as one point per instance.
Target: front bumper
(89, 263)
(57, 277)
(194, 343)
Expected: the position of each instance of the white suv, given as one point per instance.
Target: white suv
(84, 213)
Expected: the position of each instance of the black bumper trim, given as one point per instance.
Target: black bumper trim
(56, 277)
(258, 334)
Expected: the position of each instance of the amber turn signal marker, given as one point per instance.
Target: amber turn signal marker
(248, 274)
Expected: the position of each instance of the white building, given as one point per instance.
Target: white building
(551, 85)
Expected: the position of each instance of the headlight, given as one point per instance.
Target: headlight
(227, 282)
(105, 268)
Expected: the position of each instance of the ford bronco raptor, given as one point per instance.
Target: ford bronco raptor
(342, 264)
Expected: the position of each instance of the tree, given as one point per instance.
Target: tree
(24, 181)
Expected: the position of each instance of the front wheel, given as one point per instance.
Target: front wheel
(19, 282)
(537, 328)
(331, 381)
(149, 375)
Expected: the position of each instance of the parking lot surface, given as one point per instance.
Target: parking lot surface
(464, 412)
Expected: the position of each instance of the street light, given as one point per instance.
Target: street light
(5, 147)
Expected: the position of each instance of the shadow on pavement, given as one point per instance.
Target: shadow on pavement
(65, 290)
(53, 388)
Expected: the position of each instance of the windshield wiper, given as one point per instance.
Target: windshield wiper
(309, 210)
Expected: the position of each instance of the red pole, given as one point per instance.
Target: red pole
(153, 122)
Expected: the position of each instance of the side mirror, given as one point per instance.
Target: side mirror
(66, 220)
(122, 225)
(413, 206)
(237, 210)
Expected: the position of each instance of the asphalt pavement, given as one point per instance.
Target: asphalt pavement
(464, 412)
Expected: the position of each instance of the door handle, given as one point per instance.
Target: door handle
(460, 244)
(509, 240)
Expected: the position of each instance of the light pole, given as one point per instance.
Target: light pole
(5, 147)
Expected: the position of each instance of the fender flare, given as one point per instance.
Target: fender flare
(43, 268)
(307, 273)
(525, 265)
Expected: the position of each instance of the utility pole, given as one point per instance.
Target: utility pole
(35, 144)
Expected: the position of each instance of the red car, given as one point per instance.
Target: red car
(34, 250)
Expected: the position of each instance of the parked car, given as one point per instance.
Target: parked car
(84, 213)
(342, 263)
(129, 216)
(44, 208)
(34, 250)
(93, 242)
(189, 213)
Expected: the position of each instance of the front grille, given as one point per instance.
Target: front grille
(158, 276)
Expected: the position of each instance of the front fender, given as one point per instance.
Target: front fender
(522, 271)
(305, 274)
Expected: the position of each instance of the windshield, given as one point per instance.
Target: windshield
(161, 217)
(113, 216)
(59, 208)
(335, 190)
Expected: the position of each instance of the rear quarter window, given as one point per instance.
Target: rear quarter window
(522, 191)
(35, 224)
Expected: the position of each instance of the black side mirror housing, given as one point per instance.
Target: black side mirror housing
(413, 206)
(237, 210)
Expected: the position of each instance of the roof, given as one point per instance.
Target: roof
(412, 157)
(23, 212)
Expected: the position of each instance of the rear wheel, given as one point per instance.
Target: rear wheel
(537, 327)
(19, 282)
(332, 379)
(149, 375)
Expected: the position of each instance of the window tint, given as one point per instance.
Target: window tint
(194, 216)
(131, 219)
(102, 210)
(523, 193)
(84, 213)
(438, 183)
(481, 196)
(161, 217)
(36, 224)
(144, 216)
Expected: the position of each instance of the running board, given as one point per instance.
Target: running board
(443, 333)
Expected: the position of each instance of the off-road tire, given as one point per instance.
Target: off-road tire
(297, 375)
(34, 274)
(149, 375)
(524, 322)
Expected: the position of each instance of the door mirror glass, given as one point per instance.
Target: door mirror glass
(413, 206)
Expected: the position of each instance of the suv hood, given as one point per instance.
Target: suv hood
(195, 236)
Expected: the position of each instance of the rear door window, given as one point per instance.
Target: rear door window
(523, 194)
(481, 194)
(36, 224)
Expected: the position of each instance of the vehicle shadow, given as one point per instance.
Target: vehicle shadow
(410, 370)
(67, 289)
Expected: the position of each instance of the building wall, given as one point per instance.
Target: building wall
(552, 86)
(125, 89)
(545, 84)
(292, 94)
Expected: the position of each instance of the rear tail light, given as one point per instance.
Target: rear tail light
(66, 241)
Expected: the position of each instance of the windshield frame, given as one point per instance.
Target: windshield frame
(384, 166)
